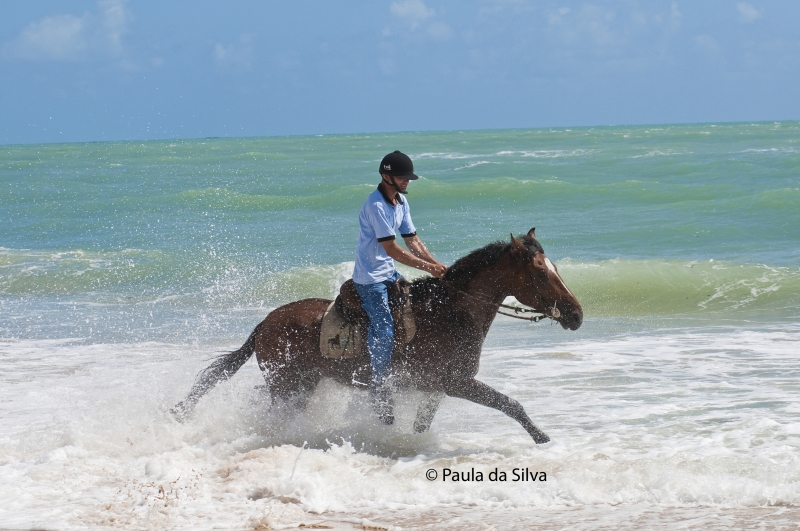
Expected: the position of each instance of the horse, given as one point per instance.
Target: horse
(453, 316)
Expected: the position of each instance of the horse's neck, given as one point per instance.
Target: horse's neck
(485, 292)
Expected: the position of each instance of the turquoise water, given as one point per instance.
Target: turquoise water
(693, 220)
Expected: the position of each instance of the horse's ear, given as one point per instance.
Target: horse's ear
(518, 248)
(532, 233)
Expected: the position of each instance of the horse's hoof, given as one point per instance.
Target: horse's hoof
(540, 437)
(421, 428)
(180, 412)
(385, 412)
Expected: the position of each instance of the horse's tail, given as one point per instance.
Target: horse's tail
(223, 368)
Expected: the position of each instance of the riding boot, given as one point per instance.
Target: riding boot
(383, 402)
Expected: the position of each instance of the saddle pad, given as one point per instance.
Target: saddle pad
(338, 338)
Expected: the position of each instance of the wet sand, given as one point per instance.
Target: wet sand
(595, 518)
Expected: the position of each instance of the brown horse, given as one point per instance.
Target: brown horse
(453, 316)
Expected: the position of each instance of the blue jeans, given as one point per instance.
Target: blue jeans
(380, 338)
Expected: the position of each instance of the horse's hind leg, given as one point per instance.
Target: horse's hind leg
(306, 388)
(426, 410)
(480, 393)
(294, 389)
(287, 351)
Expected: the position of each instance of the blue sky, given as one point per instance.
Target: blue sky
(116, 69)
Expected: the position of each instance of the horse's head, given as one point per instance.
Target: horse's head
(536, 283)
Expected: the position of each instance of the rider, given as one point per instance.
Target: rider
(383, 214)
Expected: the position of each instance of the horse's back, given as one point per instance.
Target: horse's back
(292, 323)
(302, 311)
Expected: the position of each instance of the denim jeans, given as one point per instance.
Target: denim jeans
(380, 337)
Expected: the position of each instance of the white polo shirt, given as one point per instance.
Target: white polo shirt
(379, 221)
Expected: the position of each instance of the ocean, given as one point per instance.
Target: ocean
(126, 266)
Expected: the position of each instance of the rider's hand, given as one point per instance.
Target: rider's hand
(438, 270)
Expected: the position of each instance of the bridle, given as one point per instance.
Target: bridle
(554, 312)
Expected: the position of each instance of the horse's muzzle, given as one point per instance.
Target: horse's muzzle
(571, 319)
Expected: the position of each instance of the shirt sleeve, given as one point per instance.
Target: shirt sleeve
(381, 223)
(407, 228)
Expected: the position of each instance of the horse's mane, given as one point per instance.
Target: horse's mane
(466, 267)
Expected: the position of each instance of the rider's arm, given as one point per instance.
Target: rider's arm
(406, 258)
(419, 250)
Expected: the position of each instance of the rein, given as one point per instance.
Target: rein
(517, 309)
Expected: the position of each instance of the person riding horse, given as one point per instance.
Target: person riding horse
(452, 317)
(383, 214)
(453, 311)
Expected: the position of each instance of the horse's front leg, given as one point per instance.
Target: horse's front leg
(426, 411)
(480, 393)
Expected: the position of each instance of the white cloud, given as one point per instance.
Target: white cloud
(554, 17)
(590, 23)
(439, 30)
(70, 37)
(597, 23)
(639, 20)
(115, 22)
(675, 16)
(58, 38)
(387, 66)
(747, 12)
(239, 55)
(706, 43)
(413, 11)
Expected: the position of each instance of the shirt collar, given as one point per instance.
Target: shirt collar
(387, 199)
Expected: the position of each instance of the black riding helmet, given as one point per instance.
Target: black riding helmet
(397, 164)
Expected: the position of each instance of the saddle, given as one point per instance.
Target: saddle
(344, 324)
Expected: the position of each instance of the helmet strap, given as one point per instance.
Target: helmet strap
(394, 184)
